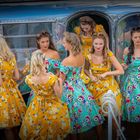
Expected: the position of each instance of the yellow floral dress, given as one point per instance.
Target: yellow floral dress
(12, 106)
(100, 87)
(86, 46)
(47, 117)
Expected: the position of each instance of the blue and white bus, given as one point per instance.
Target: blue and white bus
(21, 22)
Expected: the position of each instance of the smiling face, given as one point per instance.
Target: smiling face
(136, 38)
(44, 43)
(98, 44)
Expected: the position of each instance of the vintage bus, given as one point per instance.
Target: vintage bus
(21, 22)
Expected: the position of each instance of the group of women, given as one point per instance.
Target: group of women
(67, 96)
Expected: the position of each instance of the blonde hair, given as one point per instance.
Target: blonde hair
(5, 51)
(37, 62)
(74, 41)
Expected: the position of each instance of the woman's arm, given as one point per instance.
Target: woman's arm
(0, 79)
(88, 72)
(16, 74)
(58, 87)
(62, 76)
(57, 72)
(125, 52)
(62, 73)
(119, 69)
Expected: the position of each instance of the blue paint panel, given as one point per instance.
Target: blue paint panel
(40, 11)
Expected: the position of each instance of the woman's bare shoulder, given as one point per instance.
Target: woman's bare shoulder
(66, 61)
(55, 54)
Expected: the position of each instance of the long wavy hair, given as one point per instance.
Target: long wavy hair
(5, 51)
(105, 48)
(131, 47)
(42, 35)
(84, 20)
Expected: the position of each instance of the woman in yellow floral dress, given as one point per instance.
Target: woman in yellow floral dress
(12, 106)
(85, 31)
(98, 68)
(47, 117)
(99, 63)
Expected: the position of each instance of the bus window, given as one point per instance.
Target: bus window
(14, 29)
(123, 33)
(21, 38)
(35, 28)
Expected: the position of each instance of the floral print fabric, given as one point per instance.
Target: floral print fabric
(47, 117)
(12, 106)
(83, 111)
(130, 87)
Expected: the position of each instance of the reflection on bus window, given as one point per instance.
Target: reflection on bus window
(15, 29)
(35, 28)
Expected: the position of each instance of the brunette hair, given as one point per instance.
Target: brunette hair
(131, 47)
(45, 34)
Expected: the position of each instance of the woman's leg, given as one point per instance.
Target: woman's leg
(9, 134)
(89, 135)
(100, 133)
(73, 137)
(132, 131)
(16, 132)
(114, 130)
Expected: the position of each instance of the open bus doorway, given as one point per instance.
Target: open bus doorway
(96, 16)
(99, 18)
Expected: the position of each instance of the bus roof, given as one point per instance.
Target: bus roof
(52, 11)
